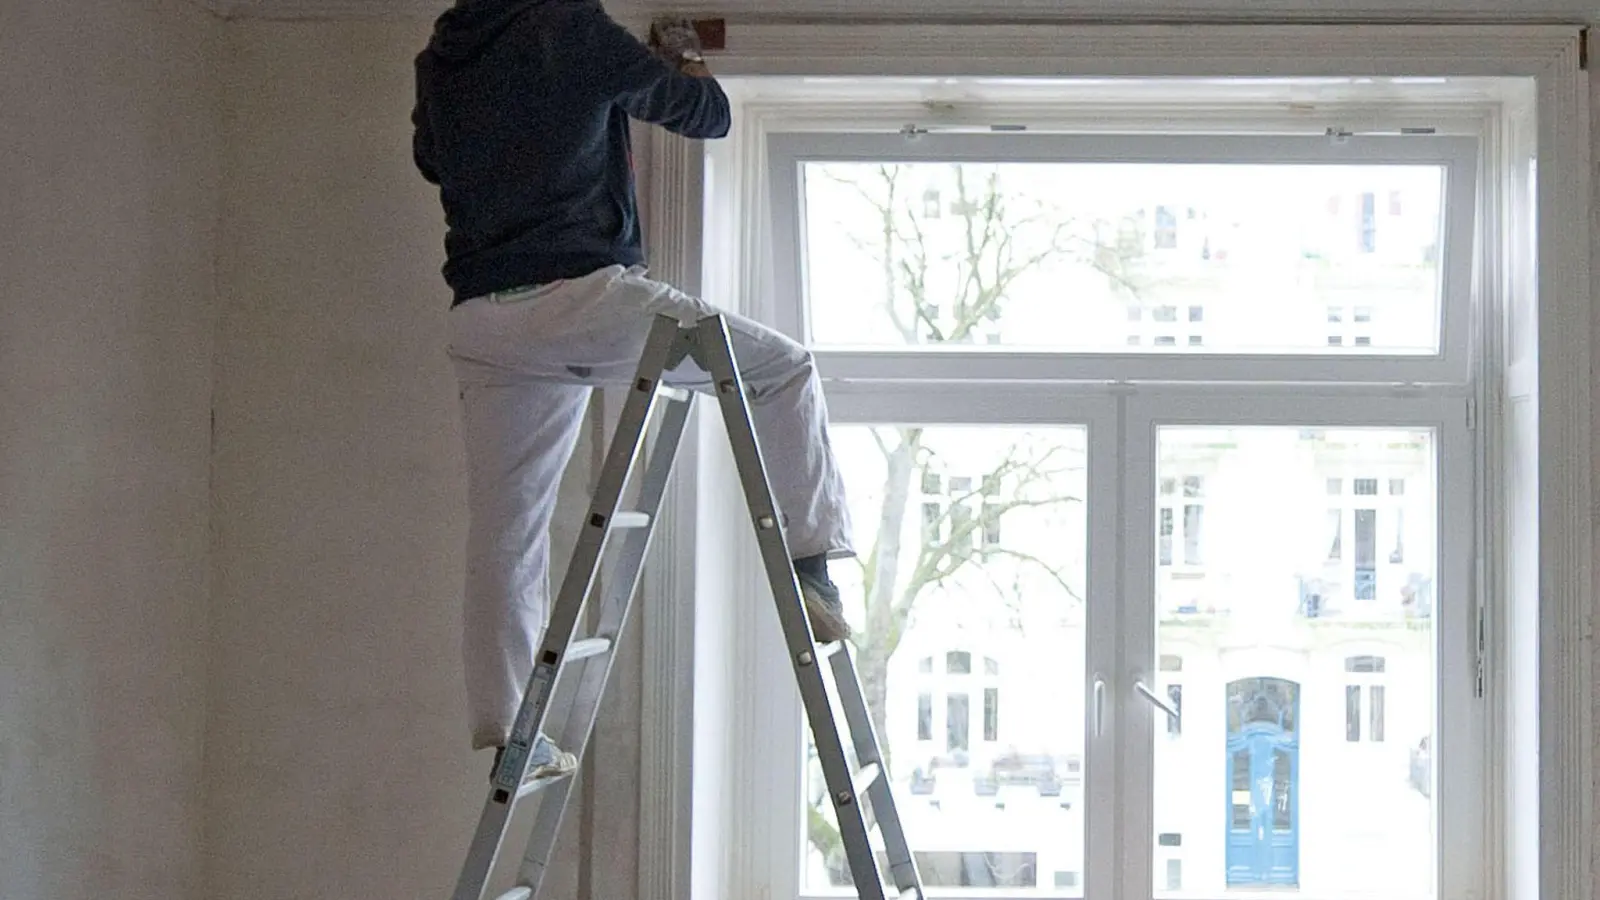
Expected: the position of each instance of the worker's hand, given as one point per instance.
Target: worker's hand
(676, 41)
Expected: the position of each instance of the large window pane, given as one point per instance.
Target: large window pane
(970, 649)
(1126, 257)
(1308, 675)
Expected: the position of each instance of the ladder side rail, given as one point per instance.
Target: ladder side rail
(483, 851)
(620, 588)
(661, 347)
(902, 864)
(546, 831)
(584, 568)
(714, 353)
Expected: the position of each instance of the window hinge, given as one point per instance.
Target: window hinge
(1472, 414)
(1481, 638)
(1482, 665)
(1583, 50)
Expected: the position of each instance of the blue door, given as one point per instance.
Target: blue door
(1263, 780)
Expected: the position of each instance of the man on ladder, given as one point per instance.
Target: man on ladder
(522, 120)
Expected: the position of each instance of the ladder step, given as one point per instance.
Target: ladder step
(520, 893)
(630, 519)
(910, 894)
(677, 395)
(831, 648)
(587, 647)
(864, 777)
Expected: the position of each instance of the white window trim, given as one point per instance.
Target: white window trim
(788, 151)
(939, 684)
(1460, 721)
(671, 648)
(1366, 681)
(1560, 580)
(968, 404)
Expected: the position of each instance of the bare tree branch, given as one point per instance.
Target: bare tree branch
(1053, 571)
(877, 438)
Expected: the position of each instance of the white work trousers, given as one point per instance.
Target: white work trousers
(526, 361)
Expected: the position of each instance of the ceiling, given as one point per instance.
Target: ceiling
(1099, 10)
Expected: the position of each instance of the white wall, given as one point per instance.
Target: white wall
(340, 764)
(107, 292)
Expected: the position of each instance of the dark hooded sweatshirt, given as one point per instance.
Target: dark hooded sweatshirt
(522, 121)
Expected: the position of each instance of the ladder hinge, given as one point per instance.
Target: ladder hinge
(1472, 414)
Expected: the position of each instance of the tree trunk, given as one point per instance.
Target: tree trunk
(883, 626)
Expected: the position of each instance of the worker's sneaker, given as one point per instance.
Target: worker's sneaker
(823, 608)
(549, 761)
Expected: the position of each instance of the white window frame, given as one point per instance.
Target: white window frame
(1177, 502)
(1460, 721)
(1457, 155)
(939, 684)
(1541, 659)
(1365, 682)
(872, 399)
(1089, 407)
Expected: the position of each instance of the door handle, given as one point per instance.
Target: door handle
(1099, 706)
(1158, 701)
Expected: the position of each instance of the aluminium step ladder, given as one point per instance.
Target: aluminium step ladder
(563, 655)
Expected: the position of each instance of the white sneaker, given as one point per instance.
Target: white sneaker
(825, 610)
(548, 761)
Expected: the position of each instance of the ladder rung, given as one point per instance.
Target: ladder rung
(630, 519)
(864, 777)
(831, 648)
(910, 894)
(587, 647)
(678, 395)
(520, 893)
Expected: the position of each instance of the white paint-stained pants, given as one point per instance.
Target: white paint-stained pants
(526, 361)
